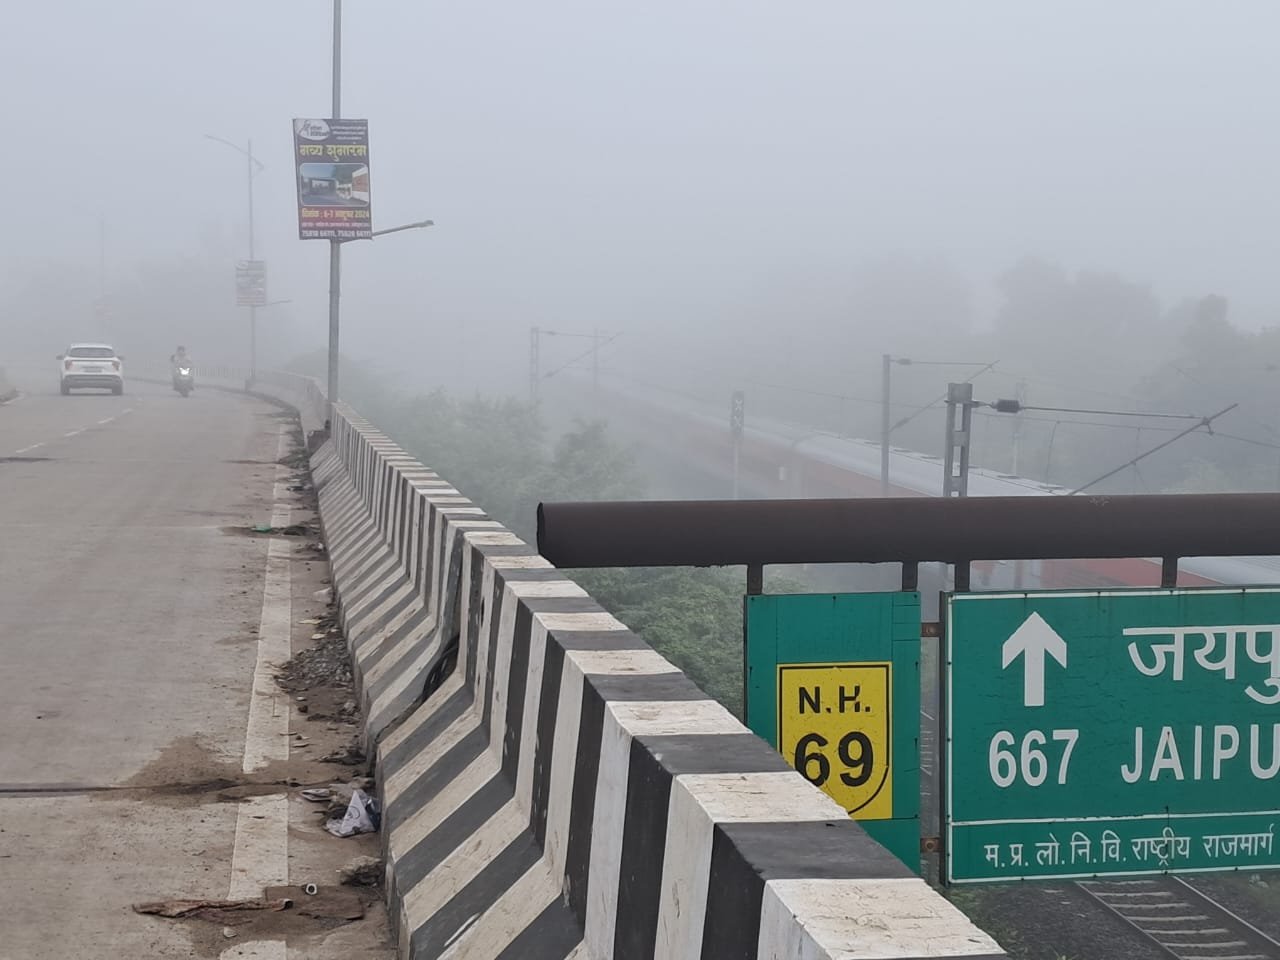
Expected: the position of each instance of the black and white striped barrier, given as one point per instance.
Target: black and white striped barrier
(565, 792)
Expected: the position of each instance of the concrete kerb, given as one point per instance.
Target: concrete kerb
(564, 791)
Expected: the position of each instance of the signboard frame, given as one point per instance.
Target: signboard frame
(824, 648)
(251, 283)
(1029, 651)
(331, 172)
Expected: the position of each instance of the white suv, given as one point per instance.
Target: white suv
(91, 365)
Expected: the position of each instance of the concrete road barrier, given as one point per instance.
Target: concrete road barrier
(553, 787)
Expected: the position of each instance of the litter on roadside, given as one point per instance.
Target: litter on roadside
(362, 816)
(317, 794)
(218, 910)
(351, 755)
(362, 872)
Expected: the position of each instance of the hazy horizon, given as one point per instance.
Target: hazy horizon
(684, 172)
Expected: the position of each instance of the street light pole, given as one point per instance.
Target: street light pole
(335, 246)
(252, 166)
(101, 308)
(253, 309)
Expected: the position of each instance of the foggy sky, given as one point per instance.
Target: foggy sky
(675, 169)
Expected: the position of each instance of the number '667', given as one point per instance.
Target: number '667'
(1030, 762)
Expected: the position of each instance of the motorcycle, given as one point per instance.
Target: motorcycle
(183, 381)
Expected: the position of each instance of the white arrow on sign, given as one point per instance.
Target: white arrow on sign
(1034, 641)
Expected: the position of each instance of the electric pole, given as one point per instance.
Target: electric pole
(595, 362)
(955, 482)
(885, 364)
(1020, 394)
(535, 375)
(737, 424)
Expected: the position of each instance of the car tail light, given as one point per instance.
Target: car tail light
(66, 364)
(115, 364)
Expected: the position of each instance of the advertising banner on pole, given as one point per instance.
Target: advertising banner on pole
(251, 283)
(332, 162)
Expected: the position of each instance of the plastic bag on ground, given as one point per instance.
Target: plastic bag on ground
(362, 816)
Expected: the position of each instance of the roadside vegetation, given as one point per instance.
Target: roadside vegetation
(502, 455)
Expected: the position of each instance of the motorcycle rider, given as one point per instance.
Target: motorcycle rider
(180, 359)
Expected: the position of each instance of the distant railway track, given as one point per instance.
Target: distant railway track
(1185, 923)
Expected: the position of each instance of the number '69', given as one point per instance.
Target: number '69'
(855, 753)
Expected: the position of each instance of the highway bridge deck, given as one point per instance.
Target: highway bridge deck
(131, 606)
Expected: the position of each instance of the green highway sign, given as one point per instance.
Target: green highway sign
(833, 683)
(1112, 732)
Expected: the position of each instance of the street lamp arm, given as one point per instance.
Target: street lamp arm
(236, 147)
(419, 225)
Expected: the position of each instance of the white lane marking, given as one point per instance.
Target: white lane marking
(73, 433)
(267, 736)
(261, 855)
(266, 739)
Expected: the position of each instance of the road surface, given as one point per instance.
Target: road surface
(131, 600)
